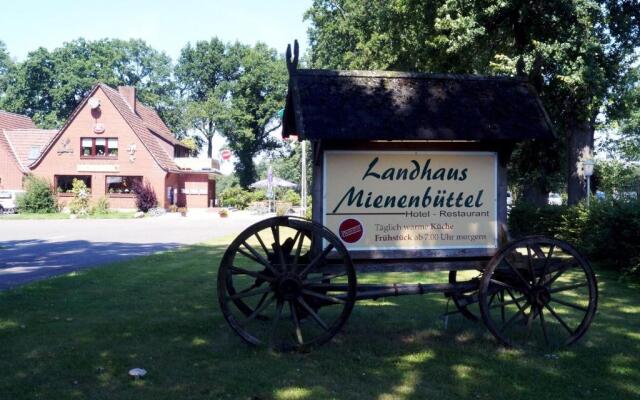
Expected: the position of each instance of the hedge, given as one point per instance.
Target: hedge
(606, 232)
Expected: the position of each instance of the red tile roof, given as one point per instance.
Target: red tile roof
(15, 121)
(144, 129)
(164, 160)
(26, 145)
(5, 143)
(155, 124)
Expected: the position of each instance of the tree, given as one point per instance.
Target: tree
(577, 54)
(250, 115)
(203, 72)
(287, 164)
(48, 85)
(6, 65)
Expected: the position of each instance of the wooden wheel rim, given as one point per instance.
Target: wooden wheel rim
(540, 297)
(288, 292)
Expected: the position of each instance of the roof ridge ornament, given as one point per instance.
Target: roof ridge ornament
(292, 64)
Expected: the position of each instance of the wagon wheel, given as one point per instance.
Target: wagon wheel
(466, 303)
(287, 283)
(549, 294)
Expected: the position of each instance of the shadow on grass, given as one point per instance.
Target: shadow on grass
(76, 336)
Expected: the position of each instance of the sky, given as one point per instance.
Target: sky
(166, 25)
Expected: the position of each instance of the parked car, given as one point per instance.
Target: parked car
(600, 195)
(554, 199)
(509, 199)
(8, 201)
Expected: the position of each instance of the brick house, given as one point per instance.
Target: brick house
(21, 143)
(112, 141)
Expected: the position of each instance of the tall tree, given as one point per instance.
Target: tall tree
(203, 72)
(6, 64)
(577, 53)
(48, 85)
(255, 96)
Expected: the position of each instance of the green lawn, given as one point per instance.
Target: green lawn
(75, 337)
(109, 215)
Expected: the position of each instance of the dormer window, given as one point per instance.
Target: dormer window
(99, 147)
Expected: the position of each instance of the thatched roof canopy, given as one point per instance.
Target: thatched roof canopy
(373, 105)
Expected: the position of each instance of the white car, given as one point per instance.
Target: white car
(8, 201)
(509, 199)
(554, 199)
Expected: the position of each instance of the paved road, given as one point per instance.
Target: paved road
(37, 249)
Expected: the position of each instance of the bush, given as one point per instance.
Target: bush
(80, 203)
(101, 206)
(236, 197)
(145, 197)
(38, 197)
(526, 219)
(606, 232)
(292, 197)
(259, 195)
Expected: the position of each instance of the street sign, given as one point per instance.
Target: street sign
(225, 154)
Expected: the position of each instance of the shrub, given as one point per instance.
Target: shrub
(236, 197)
(38, 196)
(101, 206)
(81, 194)
(145, 196)
(606, 232)
(259, 195)
(292, 197)
(223, 212)
(526, 219)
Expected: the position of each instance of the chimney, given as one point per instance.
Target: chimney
(129, 94)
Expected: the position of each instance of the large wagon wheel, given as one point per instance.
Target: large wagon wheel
(549, 294)
(287, 283)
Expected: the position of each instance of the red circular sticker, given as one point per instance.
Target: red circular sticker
(351, 230)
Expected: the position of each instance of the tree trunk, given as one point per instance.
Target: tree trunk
(210, 133)
(579, 147)
(245, 169)
(535, 193)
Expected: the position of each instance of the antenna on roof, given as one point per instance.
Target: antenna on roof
(292, 64)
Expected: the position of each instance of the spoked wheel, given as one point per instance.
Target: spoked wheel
(287, 283)
(538, 292)
(466, 303)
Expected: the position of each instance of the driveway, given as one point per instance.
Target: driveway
(37, 249)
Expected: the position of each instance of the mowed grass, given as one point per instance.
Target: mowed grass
(76, 337)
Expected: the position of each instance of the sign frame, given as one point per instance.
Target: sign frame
(394, 252)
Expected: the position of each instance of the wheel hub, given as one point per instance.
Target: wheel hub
(540, 296)
(289, 287)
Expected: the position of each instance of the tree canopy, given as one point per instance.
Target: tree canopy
(578, 54)
(48, 85)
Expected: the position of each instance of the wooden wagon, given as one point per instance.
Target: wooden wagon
(409, 174)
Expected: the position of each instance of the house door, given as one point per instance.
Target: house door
(211, 193)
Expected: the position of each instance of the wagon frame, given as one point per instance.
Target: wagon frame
(298, 284)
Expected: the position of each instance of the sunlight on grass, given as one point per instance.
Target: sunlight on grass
(292, 393)
(8, 324)
(462, 371)
(198, 341)
(418, 358)
(405, 389)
